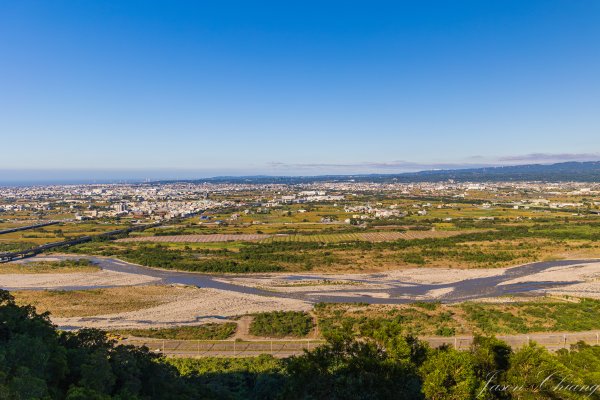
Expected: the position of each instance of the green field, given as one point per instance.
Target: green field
(49, 267)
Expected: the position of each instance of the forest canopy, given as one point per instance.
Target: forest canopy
(39, 362)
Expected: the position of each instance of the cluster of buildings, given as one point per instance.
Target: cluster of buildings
(155, 201)
(367, 211)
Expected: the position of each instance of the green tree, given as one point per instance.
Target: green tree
(534, 374)
(346, 369)
(491, 358)
(450, 375)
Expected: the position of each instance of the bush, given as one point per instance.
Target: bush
(281, 323)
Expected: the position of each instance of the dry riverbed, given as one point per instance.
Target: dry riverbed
(72, 280)
(136, 300)
(157, 306)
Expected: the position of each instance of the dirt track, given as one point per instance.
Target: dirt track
(285, 348)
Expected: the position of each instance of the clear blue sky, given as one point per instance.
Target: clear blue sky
(296, 87)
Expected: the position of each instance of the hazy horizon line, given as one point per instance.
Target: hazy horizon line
(37, 176)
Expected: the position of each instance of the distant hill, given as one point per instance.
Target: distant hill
(561, 172)
(588, 171)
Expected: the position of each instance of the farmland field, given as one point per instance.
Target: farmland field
(317, 238)
(56, 233)
(197, 238)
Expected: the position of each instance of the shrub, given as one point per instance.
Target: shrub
(281, 323)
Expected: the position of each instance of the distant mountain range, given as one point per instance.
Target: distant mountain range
(588, 171)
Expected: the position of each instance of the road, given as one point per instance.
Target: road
(285, 348)
(24, 228)
(6, 257)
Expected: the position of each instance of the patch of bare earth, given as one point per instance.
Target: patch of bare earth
(187, 306)
(72, 280)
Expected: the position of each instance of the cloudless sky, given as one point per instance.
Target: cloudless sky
(296, 87)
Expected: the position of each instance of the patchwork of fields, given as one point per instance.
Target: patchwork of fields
(197, 238)
(365, 236)
(319, 238)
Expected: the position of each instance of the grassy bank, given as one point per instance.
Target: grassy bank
(83, 303)
(49, 267)
(434, 319)
(500, 245)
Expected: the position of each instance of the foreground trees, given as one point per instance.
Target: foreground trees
(346, 369)
(37, 362)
